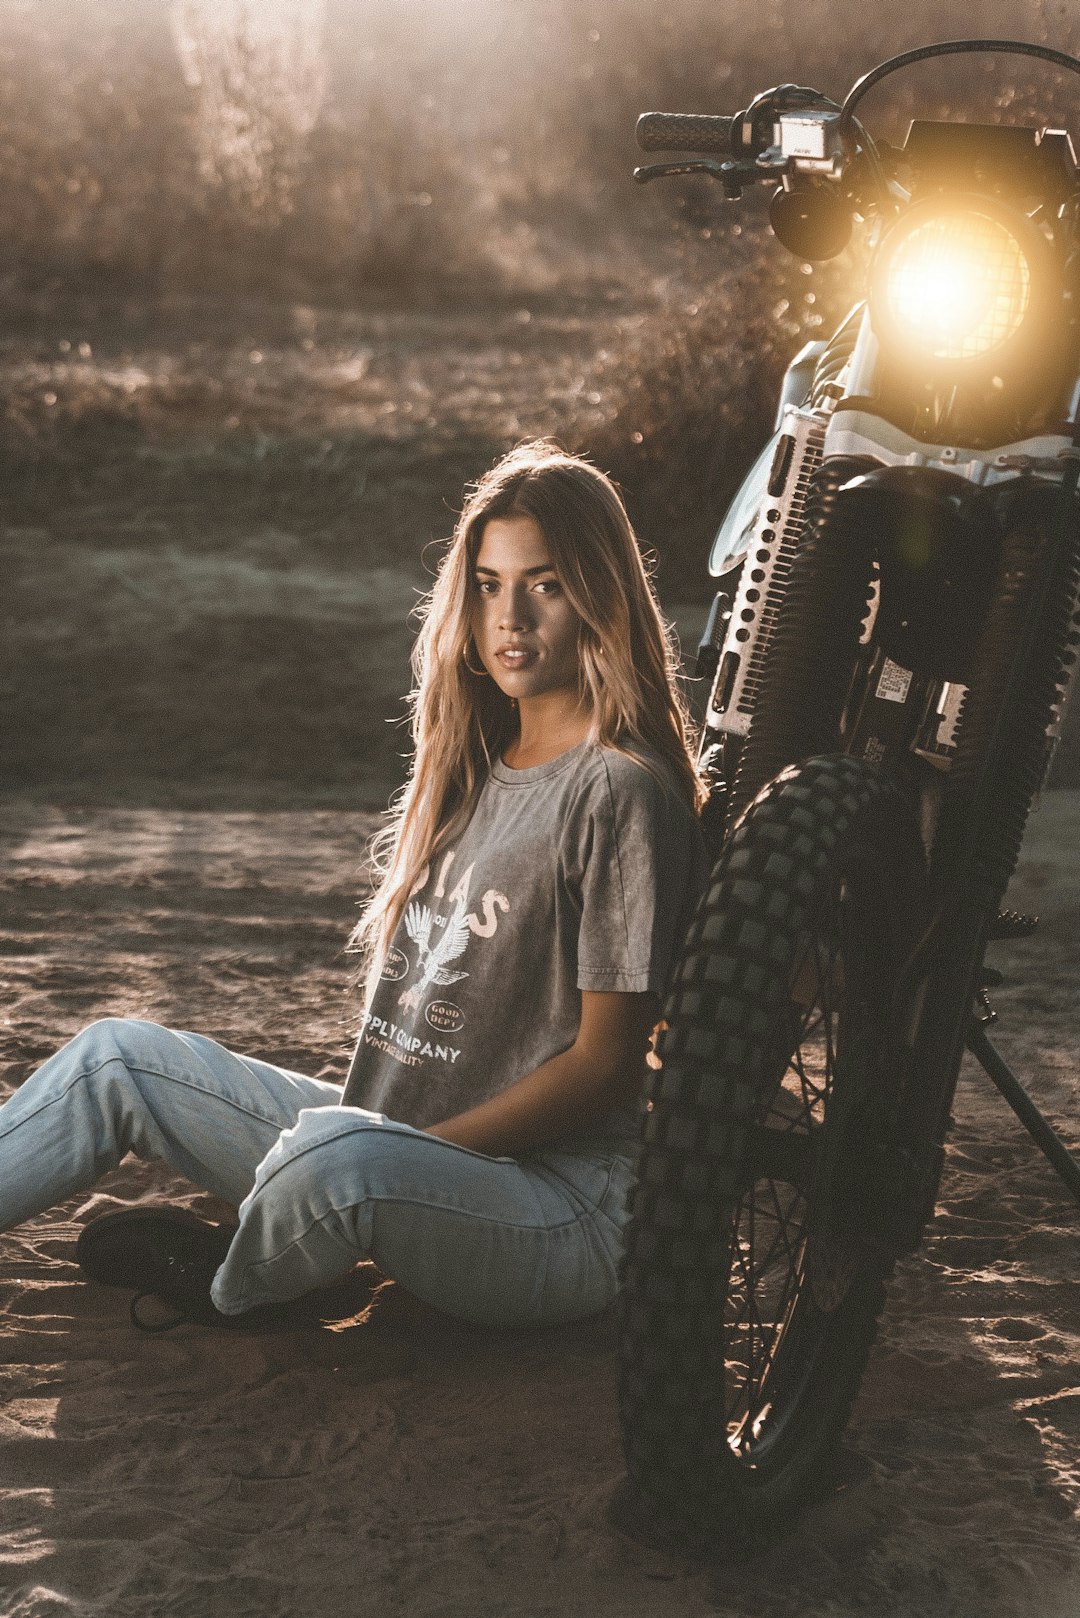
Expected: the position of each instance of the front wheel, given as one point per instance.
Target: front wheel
(755, 1260)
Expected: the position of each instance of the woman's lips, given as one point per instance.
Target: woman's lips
(515, 657)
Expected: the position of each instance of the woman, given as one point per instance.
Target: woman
(535, 878)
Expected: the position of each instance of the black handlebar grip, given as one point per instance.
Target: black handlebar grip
(684, 132)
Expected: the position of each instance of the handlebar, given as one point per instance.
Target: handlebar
(748, 133)
(685, 132)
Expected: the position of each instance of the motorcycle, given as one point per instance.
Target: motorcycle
(889, 651)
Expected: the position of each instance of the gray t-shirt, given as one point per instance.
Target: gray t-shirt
(576, 874)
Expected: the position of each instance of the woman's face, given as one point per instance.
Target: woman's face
(525, 629)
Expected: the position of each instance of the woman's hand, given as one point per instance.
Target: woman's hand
(570, 1092)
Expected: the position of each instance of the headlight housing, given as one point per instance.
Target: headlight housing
(962, 285)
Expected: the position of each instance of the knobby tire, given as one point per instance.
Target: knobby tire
(754, 1272)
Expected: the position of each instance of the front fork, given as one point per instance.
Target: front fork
(939, 1000)
(1015, 707)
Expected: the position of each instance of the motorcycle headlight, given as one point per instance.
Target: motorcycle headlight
(954, 285)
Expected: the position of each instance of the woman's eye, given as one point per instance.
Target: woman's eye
(486, 587)
(549, 587)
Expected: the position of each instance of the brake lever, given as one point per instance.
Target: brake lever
(730, 175)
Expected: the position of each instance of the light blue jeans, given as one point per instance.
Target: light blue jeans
(494, 1240)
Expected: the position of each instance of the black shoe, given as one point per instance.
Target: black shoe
(164, 1253)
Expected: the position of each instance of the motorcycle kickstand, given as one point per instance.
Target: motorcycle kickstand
(1041, 1131)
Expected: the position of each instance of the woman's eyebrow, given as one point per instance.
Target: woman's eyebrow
(530, 572)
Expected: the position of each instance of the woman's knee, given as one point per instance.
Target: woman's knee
(109, 1065)
(336, 1169)
(130, 1040)
(325, 1160)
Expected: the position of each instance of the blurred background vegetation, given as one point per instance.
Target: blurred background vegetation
(330, 149)
(277, 276)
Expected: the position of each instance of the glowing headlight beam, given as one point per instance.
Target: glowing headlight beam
(957, 285)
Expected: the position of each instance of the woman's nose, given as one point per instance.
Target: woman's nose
(515, 609)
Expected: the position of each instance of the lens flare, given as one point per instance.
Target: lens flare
(958, 285)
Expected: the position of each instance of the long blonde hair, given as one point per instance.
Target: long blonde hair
(461, 721)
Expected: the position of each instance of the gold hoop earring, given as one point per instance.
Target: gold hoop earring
(481, 673)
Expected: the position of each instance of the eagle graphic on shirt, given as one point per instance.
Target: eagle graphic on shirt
(434, 959)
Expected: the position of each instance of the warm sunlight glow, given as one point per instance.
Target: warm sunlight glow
(958, 285)
(258, 70)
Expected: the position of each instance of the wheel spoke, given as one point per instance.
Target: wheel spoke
(784, 1149)
(770, 1276)
(782, 1223)
(807, 1088)
(751, 1291)
(763, 1265)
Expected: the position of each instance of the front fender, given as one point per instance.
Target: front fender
(937, 542)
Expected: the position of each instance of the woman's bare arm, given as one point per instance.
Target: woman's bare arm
(571, 1091)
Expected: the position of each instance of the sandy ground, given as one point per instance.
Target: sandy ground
(406, 1464)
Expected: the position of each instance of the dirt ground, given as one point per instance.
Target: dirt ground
(405, 1464)
(210, 543)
